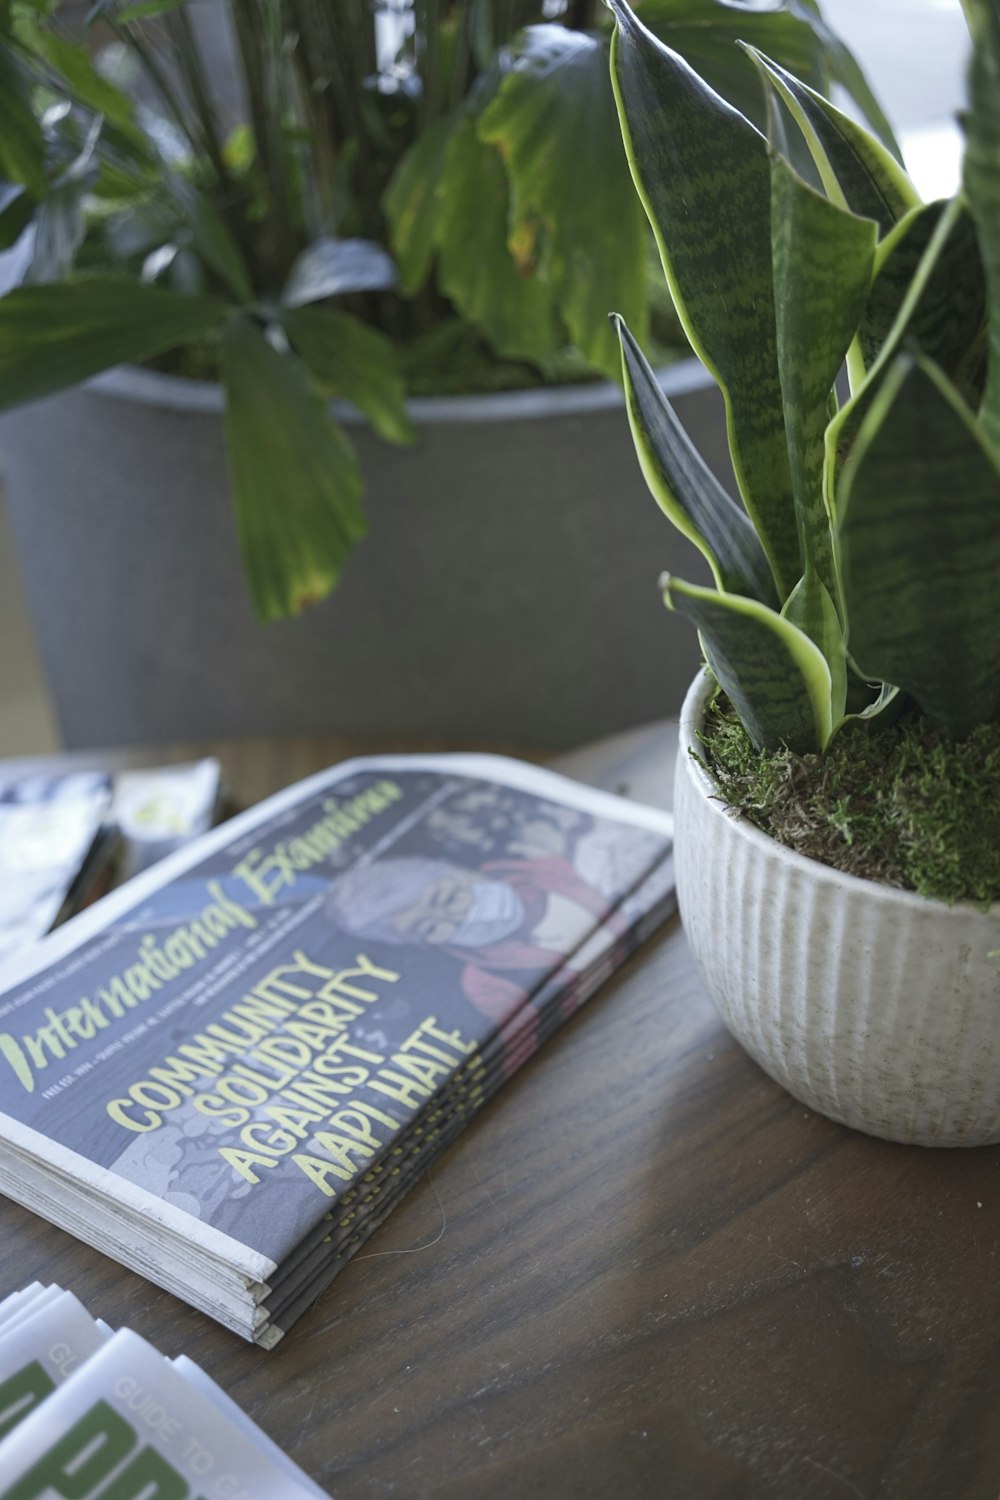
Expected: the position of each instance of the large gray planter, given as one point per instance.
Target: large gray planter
(506, 591)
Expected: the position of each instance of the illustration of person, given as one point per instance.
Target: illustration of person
(509, 923)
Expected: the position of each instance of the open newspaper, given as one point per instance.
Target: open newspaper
(227, 1073)
(86, 1412)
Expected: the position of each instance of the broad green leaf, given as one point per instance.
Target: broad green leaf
(857, 170)
(295, 481)
(412, 203)
(213, 242)
(949, 315)
(86, 85)
(22, 145)
(981, 179)
(776, 678)
(330, 268)
(684, 486)
(920, 546)
(575, 217)
(353, 360)
(476, 269)
(810, 607)
(822, 259)
(55, 336)
(15, 213)
(702, 173)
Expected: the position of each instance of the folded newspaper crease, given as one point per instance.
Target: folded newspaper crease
(228, 1073)
(86, 1412)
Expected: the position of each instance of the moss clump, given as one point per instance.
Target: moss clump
(898, 804)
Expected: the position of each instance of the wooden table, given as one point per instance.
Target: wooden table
(643, 1271)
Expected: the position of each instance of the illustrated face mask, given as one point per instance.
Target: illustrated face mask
(496, 910)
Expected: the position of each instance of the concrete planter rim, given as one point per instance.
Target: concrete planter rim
(891, 897)
(176, 393)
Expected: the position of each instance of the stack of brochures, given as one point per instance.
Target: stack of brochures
(88, 1412)
(229, 1071)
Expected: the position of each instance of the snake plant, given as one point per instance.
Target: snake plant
(854, 331)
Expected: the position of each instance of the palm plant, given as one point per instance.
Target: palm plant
(862, 565)
(400, 181)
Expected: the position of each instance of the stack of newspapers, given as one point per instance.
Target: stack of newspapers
(86, 1412)
(228, 1072)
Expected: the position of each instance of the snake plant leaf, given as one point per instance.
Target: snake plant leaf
(886, 706)
(330, 268)
(353, 360)
(856, 169)
(702, 172)
(981, 182)
(412, 203)
(791, 30)
(554, 122)
(920, 547)
(22, 144)
(810, 607)
(823, 257)
(923, 311)
(948, 318)
(684, 486)
(54, 336)
(777, 679)
(476, 269)
(845, 70)
(294, 477)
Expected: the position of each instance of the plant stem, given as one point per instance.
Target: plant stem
(188, 55)
(259, 68)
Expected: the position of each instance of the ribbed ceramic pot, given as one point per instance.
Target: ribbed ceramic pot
(876, 1007)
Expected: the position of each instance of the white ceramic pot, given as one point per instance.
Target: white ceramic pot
(876, 1007)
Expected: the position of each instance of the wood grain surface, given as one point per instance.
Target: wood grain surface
(643, 1271)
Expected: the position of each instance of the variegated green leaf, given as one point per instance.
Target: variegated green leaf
(684, 486)
(793, 31)
(927, 289)
(702, 172)
(823, 257)
(554, 121)
(846, 71)
(885, 707)
(920, 548)
(952, 307)
(351, 359)
(810, 607)
(981, 179)
(776, 678)
(857, 170)
(476, 270)
(294, 477)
